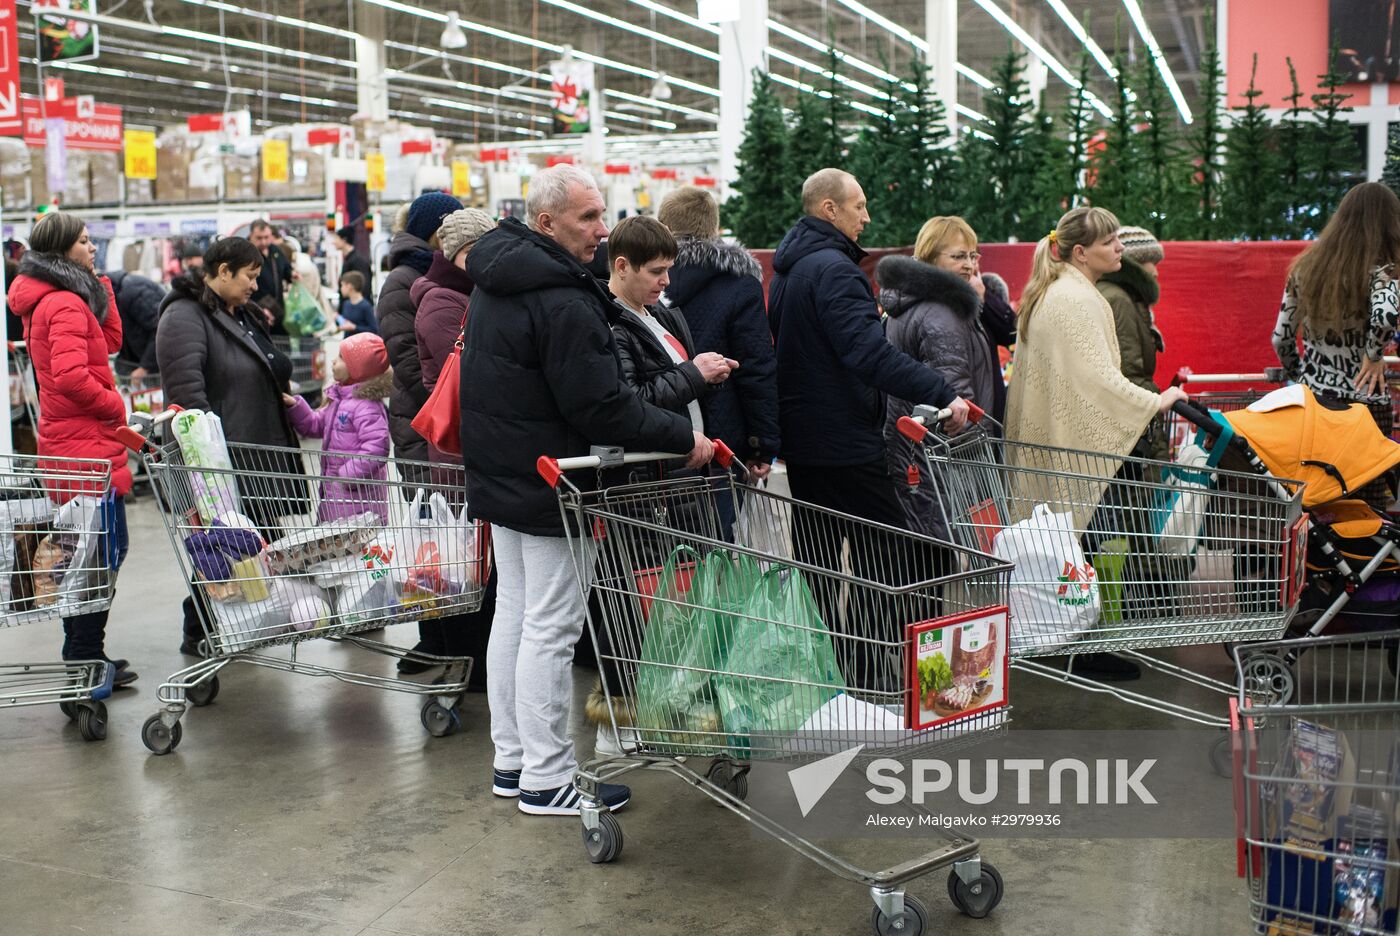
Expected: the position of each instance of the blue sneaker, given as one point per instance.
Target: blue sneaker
(565, 800)
(505, 783)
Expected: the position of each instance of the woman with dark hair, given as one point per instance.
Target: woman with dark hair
(71, 325)
(1342, 299)
(216, 354)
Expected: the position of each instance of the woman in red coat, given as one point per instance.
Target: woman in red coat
(71, 325)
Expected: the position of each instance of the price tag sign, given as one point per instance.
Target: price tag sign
(139, 147)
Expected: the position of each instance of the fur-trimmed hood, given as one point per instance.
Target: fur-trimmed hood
(700, 260)
(58, 273)
(906, 282)
(376, 388)
(1140, 285)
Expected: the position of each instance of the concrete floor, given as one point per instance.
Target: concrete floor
(303, 806)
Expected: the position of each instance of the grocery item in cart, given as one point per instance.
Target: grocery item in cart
(436, 553)
(957, 666)
(300, 550)
(1360, 896)
(202, 445)
(1054, 590)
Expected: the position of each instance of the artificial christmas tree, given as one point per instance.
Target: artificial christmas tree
(759, 211)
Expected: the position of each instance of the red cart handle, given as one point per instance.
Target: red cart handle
(552, 469)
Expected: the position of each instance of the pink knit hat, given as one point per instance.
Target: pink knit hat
(364, 357)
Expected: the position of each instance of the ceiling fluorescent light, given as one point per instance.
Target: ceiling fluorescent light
(1040, 52)
(1083, 36)
(1135, 11)
(452, 35)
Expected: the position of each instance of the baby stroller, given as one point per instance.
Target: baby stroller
(1351, 574)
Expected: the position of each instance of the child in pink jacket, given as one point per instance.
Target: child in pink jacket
(352, 421)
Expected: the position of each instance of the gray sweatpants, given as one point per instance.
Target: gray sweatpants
(540, 609)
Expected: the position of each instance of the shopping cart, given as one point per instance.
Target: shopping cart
(308, 357)
(282, 546)
(55, 562)
(1133, 554)
(140, 395)
(656, 541)
(1317, 810)
(1220, 392)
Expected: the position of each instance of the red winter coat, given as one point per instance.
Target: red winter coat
(79, 407)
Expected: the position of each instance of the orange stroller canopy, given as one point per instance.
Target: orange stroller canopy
(1333, 452)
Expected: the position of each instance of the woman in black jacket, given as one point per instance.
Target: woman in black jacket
(216, 354)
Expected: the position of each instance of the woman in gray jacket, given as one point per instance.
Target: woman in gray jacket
(934, 315)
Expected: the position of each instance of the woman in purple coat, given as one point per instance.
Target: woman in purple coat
(351, 422)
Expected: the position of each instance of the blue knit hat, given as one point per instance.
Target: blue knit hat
(427, 211)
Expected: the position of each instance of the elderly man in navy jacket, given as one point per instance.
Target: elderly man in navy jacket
(834, 369)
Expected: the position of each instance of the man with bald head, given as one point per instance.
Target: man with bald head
(834, 369)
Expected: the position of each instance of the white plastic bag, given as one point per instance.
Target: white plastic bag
(435, 556)
(19, 516)
(765, 523)
(1185, 513)
(202, 445)
(69, 567)
(1054, 590)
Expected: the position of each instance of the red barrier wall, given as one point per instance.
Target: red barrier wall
(1219, 299)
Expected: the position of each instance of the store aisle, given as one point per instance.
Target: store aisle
(302, 806)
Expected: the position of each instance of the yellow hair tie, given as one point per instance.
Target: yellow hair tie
(1054, 237)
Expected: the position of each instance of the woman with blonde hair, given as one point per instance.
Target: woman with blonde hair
(1068, 390)
(935, 316)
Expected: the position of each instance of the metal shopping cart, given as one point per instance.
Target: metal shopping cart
(282, 546)
(1319, 804)
(656, 541)
(141, 395)
(1131, 554)
(56, 561)
(308, 356)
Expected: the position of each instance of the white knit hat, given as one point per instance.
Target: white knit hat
(462, 229)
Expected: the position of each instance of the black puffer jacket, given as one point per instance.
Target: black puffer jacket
(834, 364)
(540, 376)
(648, 368)
(138, 301)
(409, 258)
(934, 317)
(719, 289)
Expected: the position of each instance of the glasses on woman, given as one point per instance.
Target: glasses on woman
(963, 256)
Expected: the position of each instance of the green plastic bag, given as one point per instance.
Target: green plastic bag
(303, 314)
(781, 665)
(686, 641)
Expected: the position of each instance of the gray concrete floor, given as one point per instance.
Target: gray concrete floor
(304, 806)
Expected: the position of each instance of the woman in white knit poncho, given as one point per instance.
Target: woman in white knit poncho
(1068, 391)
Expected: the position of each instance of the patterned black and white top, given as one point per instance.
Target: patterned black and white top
(1330, 363)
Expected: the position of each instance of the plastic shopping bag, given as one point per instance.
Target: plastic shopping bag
(781, 666)
(70, 565)
(1054, 592)
(687, 627)
(1182, 511)
(765, 523)
(201, 439)
(303, 315)
(435, 554)
(24, 511)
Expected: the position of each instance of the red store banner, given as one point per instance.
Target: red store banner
(11, 117)
(90, 127)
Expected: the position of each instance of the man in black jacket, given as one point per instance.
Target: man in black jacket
(273, 278)
(138, 302)
(834, 368)
(540, 377)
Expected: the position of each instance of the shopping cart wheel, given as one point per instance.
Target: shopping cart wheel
(912, 921)
(440, 720)
(1222, 757)
(70, 709)
(158, 738)
(1268, 679)
(92, 720)
(732, 780)
(979, 898)
(604, 843)
(203, 693)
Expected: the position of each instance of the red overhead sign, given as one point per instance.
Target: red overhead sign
(87, 125)
(617, 169)
(495, 155)
(11, 117)
(411, 147)
(324, 136)
(663, 173)
(206, 123)
(706, 181)
(559, 161)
